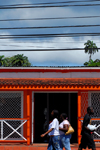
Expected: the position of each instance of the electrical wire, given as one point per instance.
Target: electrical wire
(46, 27)
(48, 35)
(20, 7)
(49, 42)
(42, 5)
(49, 3)
(66, 49)
(50, 18)
(40, 42)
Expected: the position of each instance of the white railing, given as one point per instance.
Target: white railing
(13, 130)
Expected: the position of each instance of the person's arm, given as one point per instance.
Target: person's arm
(91, 130)
(42, 135)
(86, 122)
(65, 128)
(86, 128)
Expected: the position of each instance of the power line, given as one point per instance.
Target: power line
(48, 35)
(66, 49)
(20, 7)
(49, 3)
(49, 42)
(31, 46)
(46, 27)
(50, 18)
(54, 34)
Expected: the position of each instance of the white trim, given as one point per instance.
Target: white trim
(54, 68)
(1, 129)
(15, 130)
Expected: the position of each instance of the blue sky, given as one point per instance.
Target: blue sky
(58, 58)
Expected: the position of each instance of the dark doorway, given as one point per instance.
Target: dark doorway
(45, 103)
(40, 100)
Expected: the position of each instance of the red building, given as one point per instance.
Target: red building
(27, 96)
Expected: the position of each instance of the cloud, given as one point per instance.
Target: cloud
(55, 57)
(51, 57)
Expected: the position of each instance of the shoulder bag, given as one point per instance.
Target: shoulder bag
(70, 130)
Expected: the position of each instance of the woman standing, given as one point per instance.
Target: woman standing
(63, 127)
(53, 131)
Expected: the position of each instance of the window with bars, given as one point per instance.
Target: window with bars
(91, 99)
(11, 107)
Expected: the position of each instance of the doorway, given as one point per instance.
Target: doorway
(45, 103)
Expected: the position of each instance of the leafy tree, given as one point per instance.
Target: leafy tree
(90, 48)
(7, 62)
(19, 61)
(2, 60)
(92, 63)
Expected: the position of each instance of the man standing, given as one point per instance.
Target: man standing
(87, 139)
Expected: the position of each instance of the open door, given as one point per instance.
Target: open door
(45, 103)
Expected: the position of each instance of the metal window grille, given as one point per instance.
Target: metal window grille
(95, 103)
(10, 107)
(91, 99)
(84, 103)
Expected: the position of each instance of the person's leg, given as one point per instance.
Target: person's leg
(61, 145)
(66, 142)
(79, 148)
(56, 142)
(83, 143)
(91, 143)
(50, 145)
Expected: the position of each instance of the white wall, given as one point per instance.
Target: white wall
(49, 75)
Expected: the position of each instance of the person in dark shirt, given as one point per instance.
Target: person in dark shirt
(87, 139)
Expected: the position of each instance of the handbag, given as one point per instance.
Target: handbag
(70, 130)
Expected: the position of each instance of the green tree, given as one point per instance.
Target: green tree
(19, 60)
(2, 60)
(92, 63)
(7, 62)
(90, 48)
(15, 61)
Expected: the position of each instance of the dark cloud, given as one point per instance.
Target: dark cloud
(50, 13)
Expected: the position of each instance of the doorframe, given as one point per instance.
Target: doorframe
(33, 105)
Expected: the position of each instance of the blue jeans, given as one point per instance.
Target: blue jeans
(54, 142)
(65, 141)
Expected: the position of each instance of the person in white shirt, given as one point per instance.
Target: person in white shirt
(63, 127)
(53, 132)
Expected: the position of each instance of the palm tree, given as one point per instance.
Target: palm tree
(90, 48)
(2, 60)
(19, 60)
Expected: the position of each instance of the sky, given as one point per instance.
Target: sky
(50, 58)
